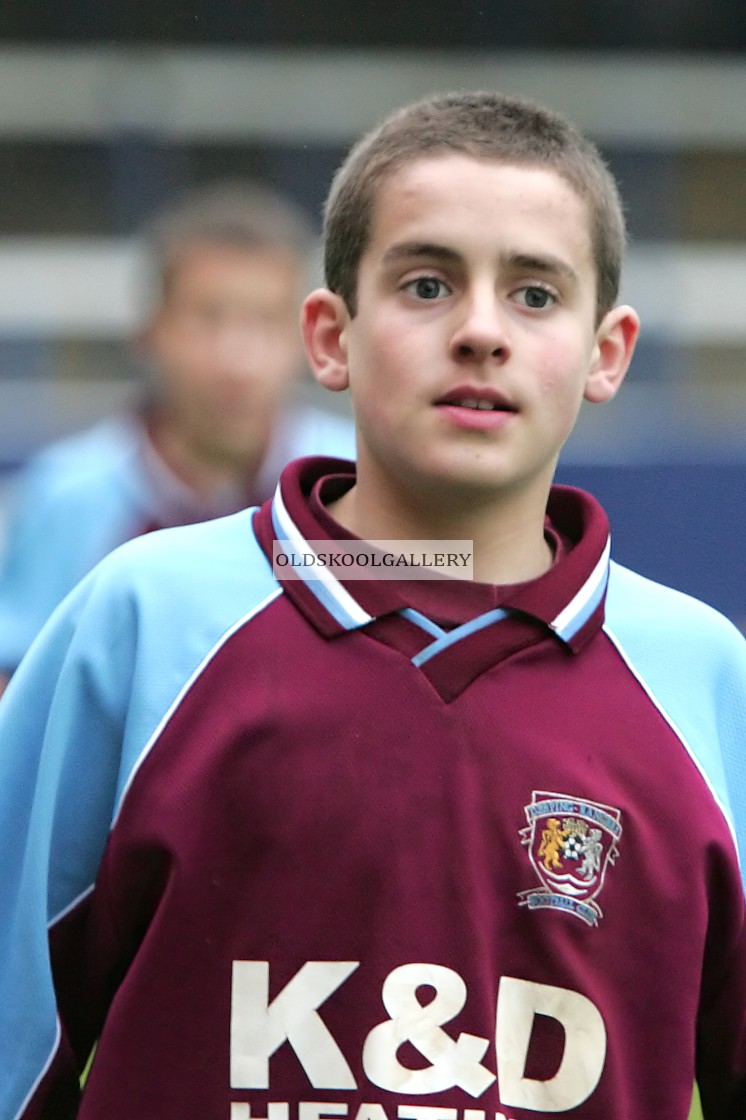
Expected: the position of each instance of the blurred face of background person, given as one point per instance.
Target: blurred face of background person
(225, 347)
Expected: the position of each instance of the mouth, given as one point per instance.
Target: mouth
(481, 410)
(484, 400)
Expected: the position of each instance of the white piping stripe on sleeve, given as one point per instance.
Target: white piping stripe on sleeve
(70, 906)
(135, 769)
(182, 693)
(597, 577)
(679, 735)
(348, 607)
(43, 1072)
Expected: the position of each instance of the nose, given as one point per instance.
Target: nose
(482, 330)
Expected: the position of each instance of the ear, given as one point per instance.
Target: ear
(612, 352)
(324, 322)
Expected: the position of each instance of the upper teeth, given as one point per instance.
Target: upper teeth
(473, 402)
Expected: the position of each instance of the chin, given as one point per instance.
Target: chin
(469, 470)
(464, 479)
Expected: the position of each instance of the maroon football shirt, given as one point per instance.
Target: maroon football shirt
(383, 868)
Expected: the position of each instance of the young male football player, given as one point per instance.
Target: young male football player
(216, 424)
(294, 845)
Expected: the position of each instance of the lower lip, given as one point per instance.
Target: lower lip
(476, 419)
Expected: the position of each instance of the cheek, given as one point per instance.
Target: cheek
(372, 386)
(561, 371)
(183, 354)
(384, 357)
(184, 375)
(386, 340)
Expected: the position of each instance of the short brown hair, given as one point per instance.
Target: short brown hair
(485, 125)
(238, 214)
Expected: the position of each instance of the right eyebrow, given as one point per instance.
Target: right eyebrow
(416, 250)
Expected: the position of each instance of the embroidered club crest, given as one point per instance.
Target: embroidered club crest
(571, 844)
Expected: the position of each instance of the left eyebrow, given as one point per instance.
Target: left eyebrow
(548, 265)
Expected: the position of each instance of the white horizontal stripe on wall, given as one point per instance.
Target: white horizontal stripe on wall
(326, 95)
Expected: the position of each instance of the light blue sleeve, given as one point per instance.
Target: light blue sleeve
(34, 576)
(692, 662)
(69, 506)
(77, 719)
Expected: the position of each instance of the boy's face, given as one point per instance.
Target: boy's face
(475, 340)
(226, 347)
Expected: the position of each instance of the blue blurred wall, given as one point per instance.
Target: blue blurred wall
(683, 525)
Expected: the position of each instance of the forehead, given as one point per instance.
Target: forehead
(459, 200)
(203, 267)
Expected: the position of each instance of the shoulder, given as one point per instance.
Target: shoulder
(85, 461)
(649, 613)
(111, 437)
(73, 501)
(691, 662)
(680, 646)
(211, 574)
(132, 635)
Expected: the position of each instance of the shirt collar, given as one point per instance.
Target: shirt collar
(568, 599)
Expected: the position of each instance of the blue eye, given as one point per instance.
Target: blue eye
(428, 287)
(536, 297)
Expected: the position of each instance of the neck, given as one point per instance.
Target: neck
(507, 531)
(202, 470)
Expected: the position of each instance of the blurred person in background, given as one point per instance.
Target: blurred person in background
(217, 420)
